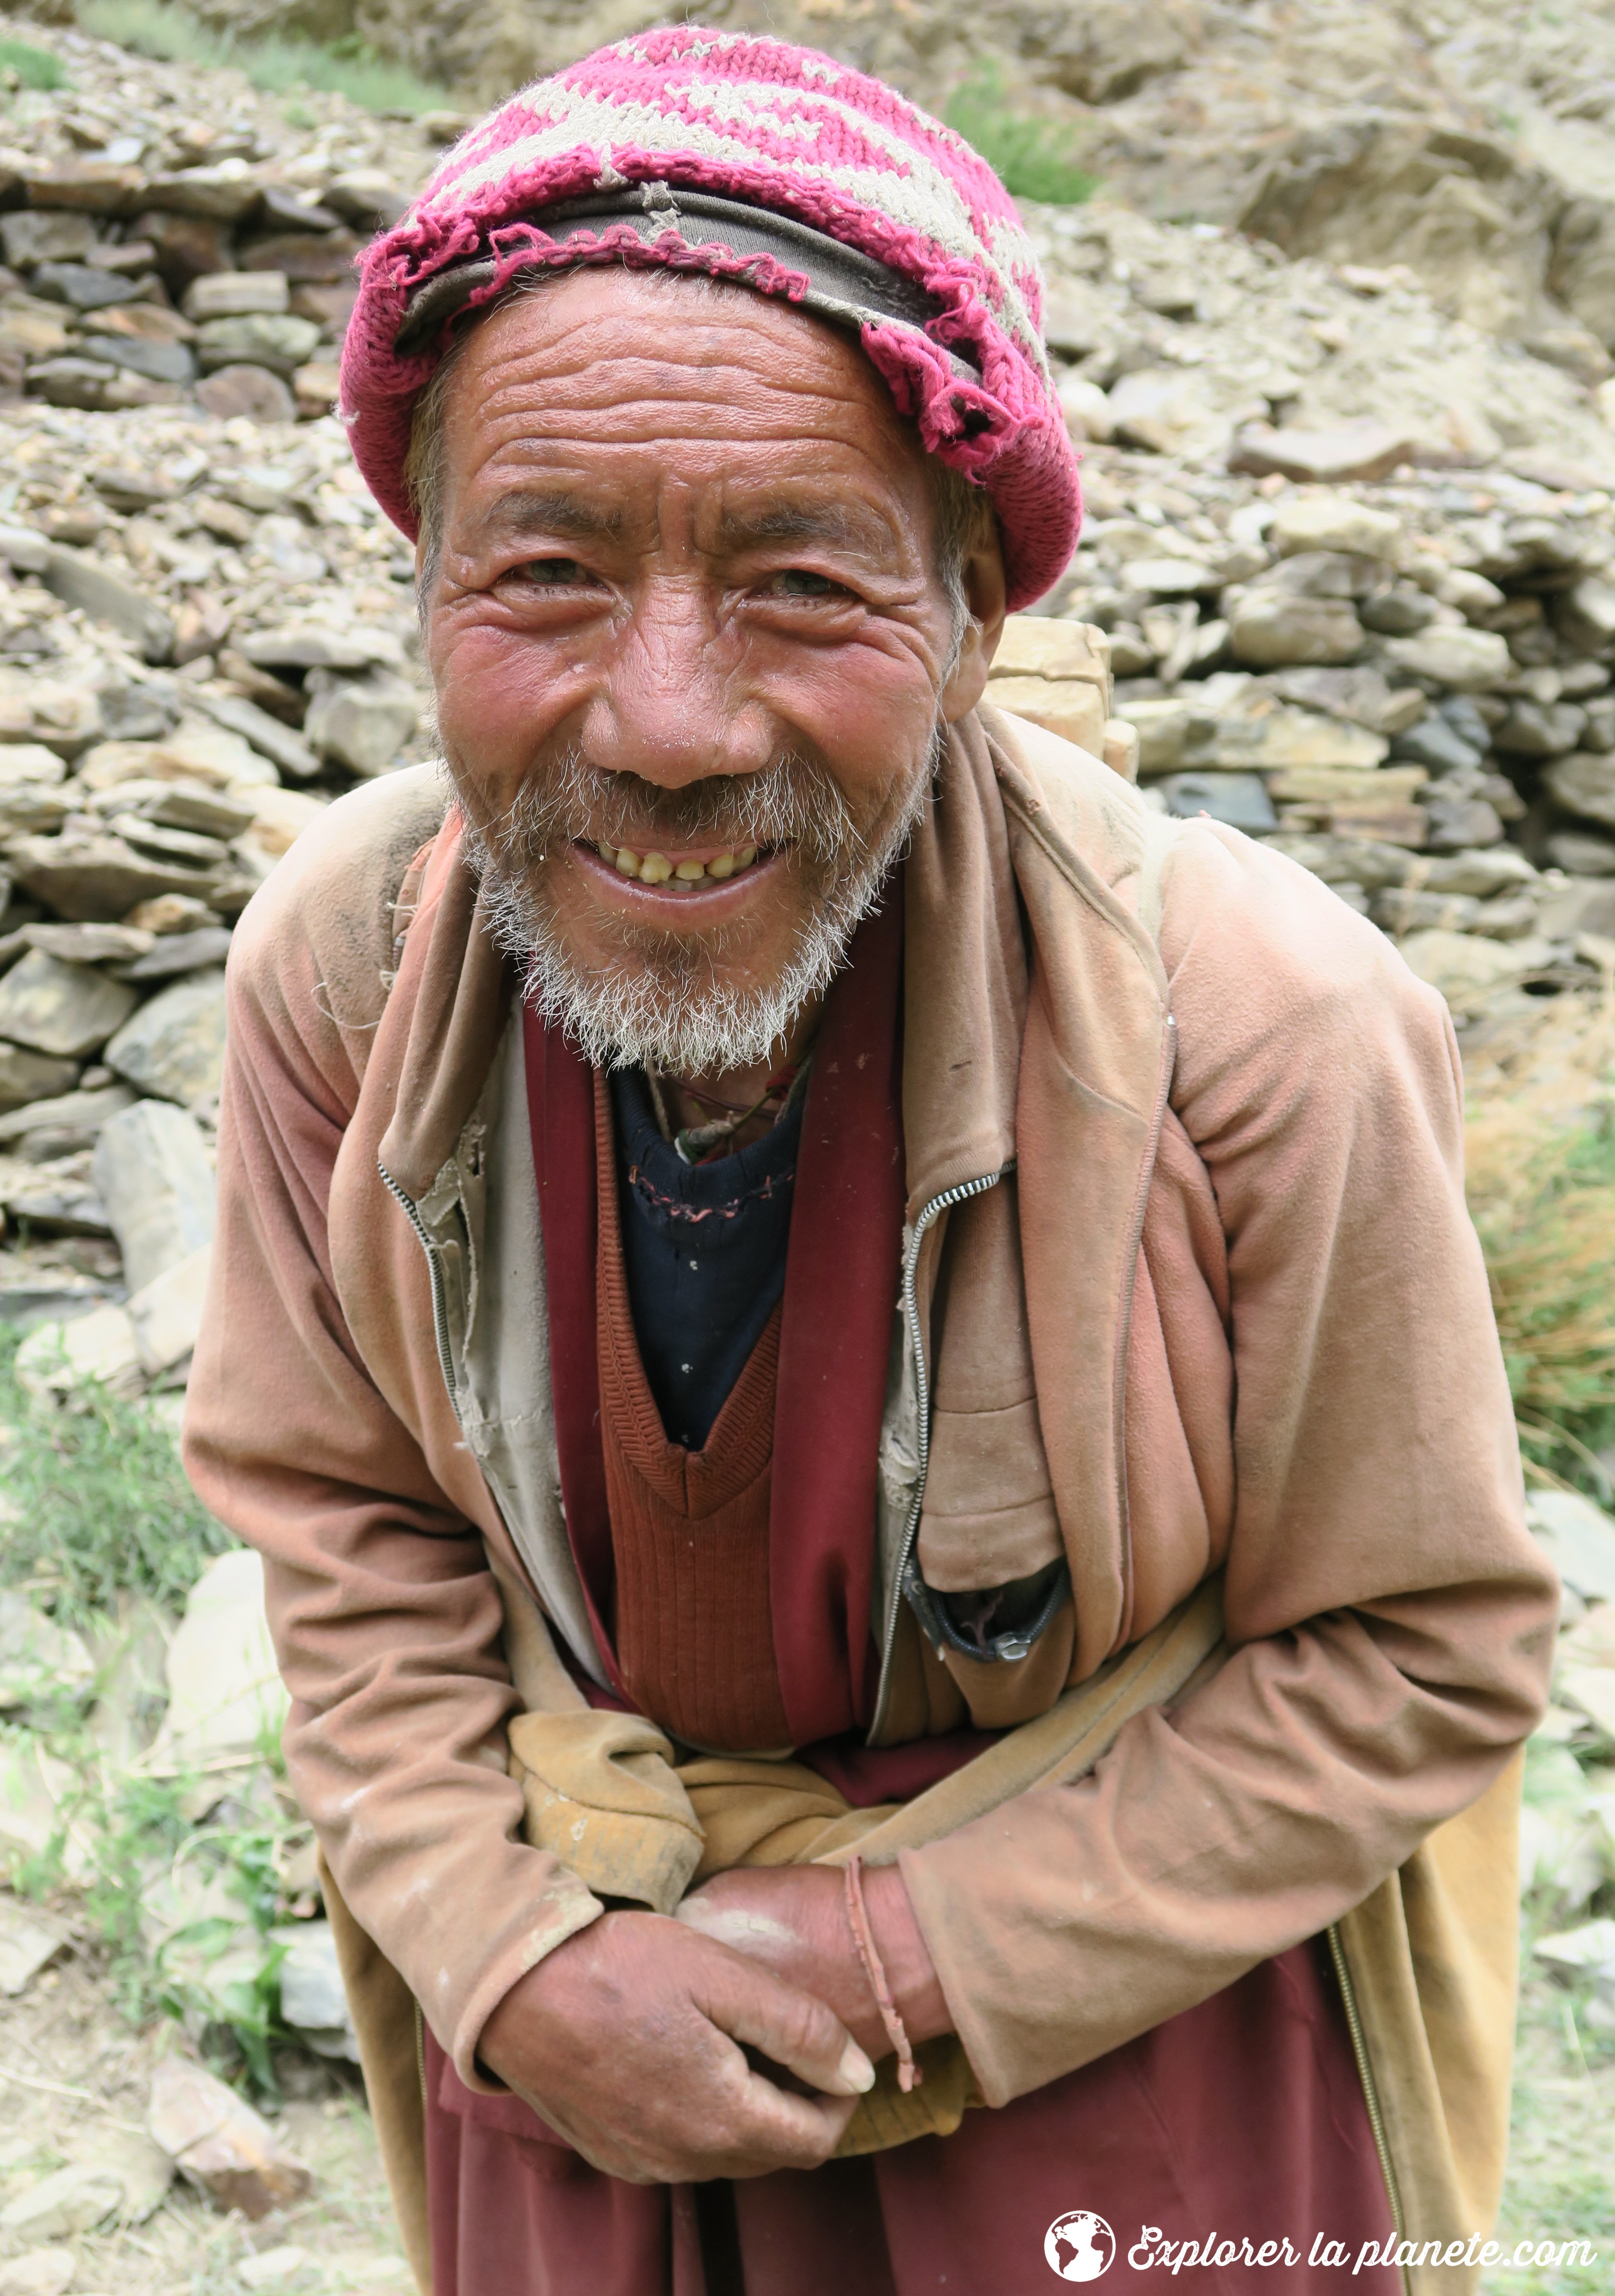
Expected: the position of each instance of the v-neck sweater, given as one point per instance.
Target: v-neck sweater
(689, 1527)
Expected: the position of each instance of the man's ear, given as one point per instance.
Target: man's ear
(984, 594)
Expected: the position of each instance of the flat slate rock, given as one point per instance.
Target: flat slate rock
(106, 597)
(1331, 457)
(72, 2200)
(316, 645)
(90, 944)
(362, 722)
(174, 1046)
(29, 1939)
(161, 362)
(177, 953)
(59, 1199)
(282, 744)
(30, 1299)
(67, 1010)
(80, 1110)
(155, 1177)
(253, 391)
(232, 294)
(265, 339)
(1239, 800)
(219, 2143)
(87, 878)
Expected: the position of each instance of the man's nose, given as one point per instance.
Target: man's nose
(673, 705)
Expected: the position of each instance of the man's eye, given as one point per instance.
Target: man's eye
(551, 573)
(799, 582)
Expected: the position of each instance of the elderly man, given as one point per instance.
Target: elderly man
(886, 1490)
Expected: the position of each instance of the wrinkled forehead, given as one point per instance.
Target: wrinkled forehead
(616, 381)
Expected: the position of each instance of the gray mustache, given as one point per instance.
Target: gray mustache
(791, 801)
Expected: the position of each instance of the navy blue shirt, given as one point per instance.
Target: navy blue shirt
(703, 1250)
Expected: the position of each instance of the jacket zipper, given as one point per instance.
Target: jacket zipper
(439, 1289)
(927, 1221)
(911, 1315)
(1371, 2094)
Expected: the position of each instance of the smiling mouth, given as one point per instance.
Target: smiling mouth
(690, 870)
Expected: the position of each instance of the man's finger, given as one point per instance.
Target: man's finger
(788, 2025)
(787, 2131)
(738, 2123)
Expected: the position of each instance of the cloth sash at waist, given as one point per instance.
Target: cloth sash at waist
(606, 1795)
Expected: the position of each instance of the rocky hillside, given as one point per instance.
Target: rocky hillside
(1465, 138)
(1334, 340)
(1349, 561)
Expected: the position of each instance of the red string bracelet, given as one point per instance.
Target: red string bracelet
(909, 2076)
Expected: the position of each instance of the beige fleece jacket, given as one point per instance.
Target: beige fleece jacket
(1260, 1337)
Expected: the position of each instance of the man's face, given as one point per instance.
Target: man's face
(690, 647)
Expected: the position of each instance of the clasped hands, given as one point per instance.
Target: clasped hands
(639, 2039)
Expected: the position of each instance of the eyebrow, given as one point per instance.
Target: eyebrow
(528, 509)
(827, 522)
(558, 511)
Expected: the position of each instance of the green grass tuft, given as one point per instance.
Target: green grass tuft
(1540, 1153)
(171, 34)
(1034, 159)
(99, 1505)
(1559, 2187)
(98, 1509)
(35, 68)
(156, 29)
(286, 67)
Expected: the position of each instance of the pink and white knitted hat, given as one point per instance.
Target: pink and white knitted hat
(750, 159)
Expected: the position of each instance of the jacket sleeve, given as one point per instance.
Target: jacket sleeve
(386, 1617)
(1391, 1618)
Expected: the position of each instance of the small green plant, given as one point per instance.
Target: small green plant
(155, 28)
(1033, 158)
(1559, 2187)
(142, 1826)
(1550, 1251)
(99, 1505)
(348, 69)
(173, 35)
(34, 67)
(183, 1912)
(182, 1879)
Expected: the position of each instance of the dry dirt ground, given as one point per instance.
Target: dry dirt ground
(72, 2075)
(1561, 2156)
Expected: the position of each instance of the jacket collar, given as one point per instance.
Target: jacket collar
(459, 989)
(964, 1003)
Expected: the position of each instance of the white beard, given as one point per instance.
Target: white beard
(678, 1019)
(643, 1017)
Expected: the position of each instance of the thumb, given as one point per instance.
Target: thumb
(788, 2026)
